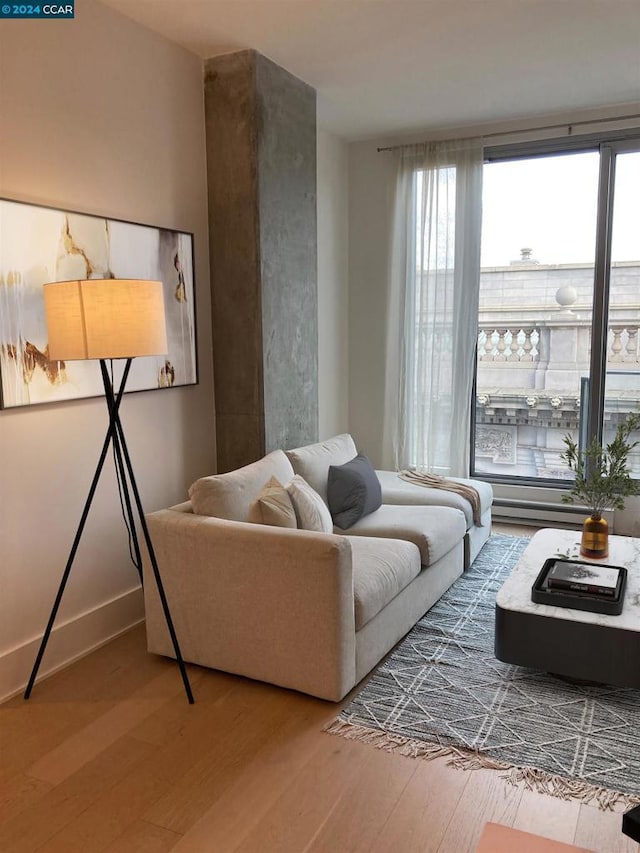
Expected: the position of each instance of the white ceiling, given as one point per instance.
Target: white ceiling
(390, 67)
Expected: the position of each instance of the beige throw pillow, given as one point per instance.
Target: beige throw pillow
(230, 495)
(313, 460)
(311, 511)
(273, 506)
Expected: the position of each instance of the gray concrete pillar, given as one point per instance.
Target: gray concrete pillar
(261, 171)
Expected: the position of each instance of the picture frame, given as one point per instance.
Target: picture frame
(40, 244)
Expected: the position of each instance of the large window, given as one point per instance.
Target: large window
(559, 309)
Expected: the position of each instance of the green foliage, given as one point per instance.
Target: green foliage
(603, 479)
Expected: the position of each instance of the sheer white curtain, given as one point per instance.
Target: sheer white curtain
(433, 307)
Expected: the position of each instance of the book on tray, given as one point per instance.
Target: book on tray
(574, 576)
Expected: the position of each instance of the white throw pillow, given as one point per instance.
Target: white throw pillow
(273, 506)
(313, 460)
(311, 511)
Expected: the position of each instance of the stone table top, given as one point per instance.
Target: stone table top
(515, 594)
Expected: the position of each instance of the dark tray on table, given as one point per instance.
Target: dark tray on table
(610, 605)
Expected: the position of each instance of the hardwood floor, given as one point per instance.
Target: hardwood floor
(108, 756)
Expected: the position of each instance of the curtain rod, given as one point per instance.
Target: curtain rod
(569, 126)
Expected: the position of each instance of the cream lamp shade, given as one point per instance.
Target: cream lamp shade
(105, 318)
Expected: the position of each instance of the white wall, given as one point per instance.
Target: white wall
(627, 520)
(101, 116)
(371, 191)
(333, 290)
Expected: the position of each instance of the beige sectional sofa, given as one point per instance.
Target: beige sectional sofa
(313, 611)
(312, 462)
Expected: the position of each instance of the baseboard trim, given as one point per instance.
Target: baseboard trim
(70, 641)
(542, 514)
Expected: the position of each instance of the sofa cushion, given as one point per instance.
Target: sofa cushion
(313, 460)
(434, 529)
(353, 491)
(273, 506)
(397, 491)
(381, 569)
(230, 495)
(311, 511)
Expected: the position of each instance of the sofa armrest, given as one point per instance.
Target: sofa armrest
(270, 603)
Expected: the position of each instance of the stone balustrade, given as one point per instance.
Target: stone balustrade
(512, 345)
(502, 344)
(622, 347)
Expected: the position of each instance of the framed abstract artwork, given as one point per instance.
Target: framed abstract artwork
(42, 244)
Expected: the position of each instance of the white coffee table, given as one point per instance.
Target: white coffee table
(573, 643)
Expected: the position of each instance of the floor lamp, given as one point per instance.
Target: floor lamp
(109, 319)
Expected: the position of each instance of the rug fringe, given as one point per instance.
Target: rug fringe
(466, 759)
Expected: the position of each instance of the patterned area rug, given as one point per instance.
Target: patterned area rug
(442, 692)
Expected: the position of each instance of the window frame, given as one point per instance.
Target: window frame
(608, 145)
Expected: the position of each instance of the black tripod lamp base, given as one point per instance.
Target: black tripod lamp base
(126, 479)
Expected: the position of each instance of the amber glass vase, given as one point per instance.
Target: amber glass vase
(595, 537)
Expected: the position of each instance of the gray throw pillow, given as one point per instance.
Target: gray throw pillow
(353, 491)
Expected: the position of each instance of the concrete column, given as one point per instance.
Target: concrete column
(261, 164)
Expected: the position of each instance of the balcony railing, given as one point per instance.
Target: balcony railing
(501, 344)
(623, 345)
(508, 344)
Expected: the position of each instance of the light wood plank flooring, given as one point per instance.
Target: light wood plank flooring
(108, 756)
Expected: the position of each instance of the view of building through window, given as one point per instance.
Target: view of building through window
(536, 309)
